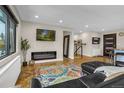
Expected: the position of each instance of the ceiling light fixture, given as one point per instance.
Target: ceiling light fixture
(80, 31)
(36, 16)
(60, 21)
(103, 29)
(86, 26)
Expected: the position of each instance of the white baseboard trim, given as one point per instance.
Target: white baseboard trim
(71, 58)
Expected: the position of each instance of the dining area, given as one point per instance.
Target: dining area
(116, 57)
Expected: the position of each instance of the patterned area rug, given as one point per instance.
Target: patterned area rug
(57, 74)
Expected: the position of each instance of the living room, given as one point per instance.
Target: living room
(39, 48)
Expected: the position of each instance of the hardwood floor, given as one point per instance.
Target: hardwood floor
(28, 72)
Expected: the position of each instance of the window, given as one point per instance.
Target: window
(7, 33)
(3, 34)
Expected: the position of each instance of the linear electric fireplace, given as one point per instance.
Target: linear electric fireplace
(43, 55)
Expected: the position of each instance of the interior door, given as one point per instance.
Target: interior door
(66, 46)
(109, 43)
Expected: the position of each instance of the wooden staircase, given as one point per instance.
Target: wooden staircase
(78, 45)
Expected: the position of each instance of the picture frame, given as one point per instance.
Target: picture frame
(95, 40)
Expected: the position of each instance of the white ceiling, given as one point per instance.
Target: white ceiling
(76, 17)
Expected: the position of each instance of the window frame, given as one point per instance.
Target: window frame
(14, 37)
(10, 17)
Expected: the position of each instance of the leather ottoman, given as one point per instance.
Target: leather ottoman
(89, 67)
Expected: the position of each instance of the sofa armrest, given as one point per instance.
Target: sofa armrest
(35, 83)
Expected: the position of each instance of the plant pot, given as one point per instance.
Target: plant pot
(24, 63)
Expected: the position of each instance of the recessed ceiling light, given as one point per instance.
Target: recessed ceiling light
(60, 21)
(86, 26)
(103, 29)
(36, 16)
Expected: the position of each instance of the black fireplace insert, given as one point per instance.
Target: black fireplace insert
(43, 55)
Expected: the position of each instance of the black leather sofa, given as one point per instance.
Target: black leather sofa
(89, 67)
(83, 82)
(95, 80)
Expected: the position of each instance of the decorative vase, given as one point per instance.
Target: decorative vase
(24, 63)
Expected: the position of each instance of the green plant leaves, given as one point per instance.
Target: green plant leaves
(25, 44)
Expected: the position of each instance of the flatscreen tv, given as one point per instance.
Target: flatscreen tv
(45, 35)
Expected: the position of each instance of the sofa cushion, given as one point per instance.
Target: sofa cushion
(90, 67)
(93, 79)
(76, 83)
(117, 82)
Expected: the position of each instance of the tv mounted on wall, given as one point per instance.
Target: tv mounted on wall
(45, 35)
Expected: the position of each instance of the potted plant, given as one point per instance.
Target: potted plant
(24, 47)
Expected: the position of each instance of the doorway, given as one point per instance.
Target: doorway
(109, 43)
(66, 46)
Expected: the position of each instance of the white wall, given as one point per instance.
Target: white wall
(10, 72)
(29, 32)
(93, 50)
(89, 49)
(71, 43)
